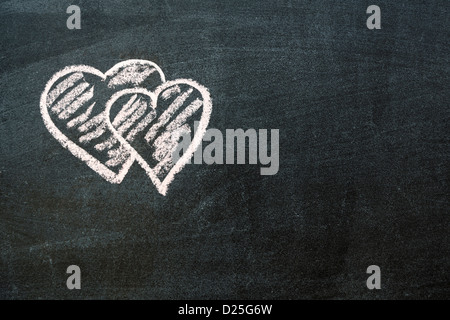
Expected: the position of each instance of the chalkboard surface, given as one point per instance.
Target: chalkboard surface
(363, 118)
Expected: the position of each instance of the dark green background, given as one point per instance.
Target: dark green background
(364, 154)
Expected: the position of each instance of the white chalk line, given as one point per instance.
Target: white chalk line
(125, 112)
(184, 115)
(107, 144)
(170, 92)
(77, 104)
(163, 166)
(92, 123)
(141, 125)
(94, 134)
(133, 77)
(141, 107)
(130, 75)
(63, 86)
(117, 156)
(81, 118)
(68, 98)
(165, 117)
(166, 142)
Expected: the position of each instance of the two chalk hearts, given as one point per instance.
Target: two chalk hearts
(129, 113)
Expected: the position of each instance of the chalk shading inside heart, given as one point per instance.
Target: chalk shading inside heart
(153, 122)
(73, 104)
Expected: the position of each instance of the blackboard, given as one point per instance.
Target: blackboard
(363, 154)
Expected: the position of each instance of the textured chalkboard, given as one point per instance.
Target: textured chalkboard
(363, 117)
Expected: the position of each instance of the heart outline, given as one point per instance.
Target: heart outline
(162, 186)
(75, 149)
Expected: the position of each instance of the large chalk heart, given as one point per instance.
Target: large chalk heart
(152, 123)
(73, 110)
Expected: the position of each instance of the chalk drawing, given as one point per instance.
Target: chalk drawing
(161, 133)
(73, 116)
(149, 112)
